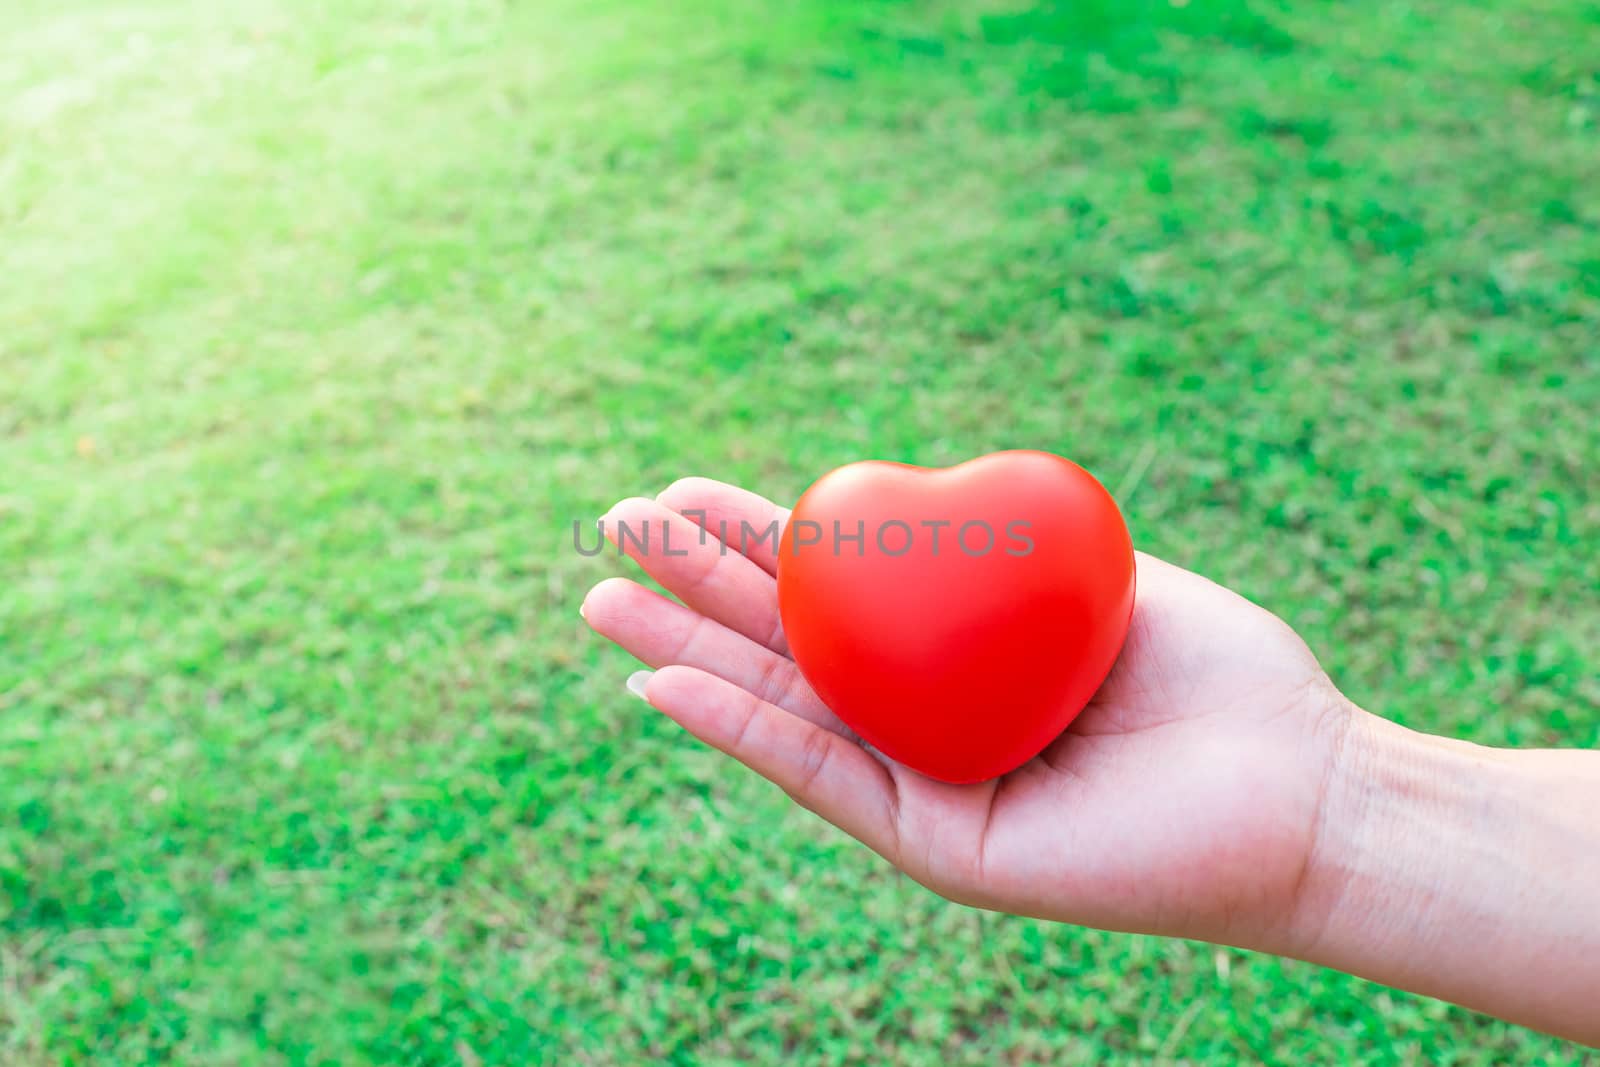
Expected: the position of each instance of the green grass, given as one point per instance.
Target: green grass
(320, 324)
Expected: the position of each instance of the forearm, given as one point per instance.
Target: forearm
(1461, 872)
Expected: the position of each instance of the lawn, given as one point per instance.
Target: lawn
(320, 325)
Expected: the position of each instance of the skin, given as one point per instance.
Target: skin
(1219, 787)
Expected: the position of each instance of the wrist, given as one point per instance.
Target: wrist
(1458, 871)
(1393, 803)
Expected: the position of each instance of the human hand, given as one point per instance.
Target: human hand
(1184, 800)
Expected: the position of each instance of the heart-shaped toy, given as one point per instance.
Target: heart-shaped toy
(958, 619)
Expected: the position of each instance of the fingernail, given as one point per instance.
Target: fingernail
(581, 615)
(637, 681)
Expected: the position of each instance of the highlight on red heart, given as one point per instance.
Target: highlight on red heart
(960, 664)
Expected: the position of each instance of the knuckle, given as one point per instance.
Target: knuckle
(775, 681)
(690, 639)
(815, 751)
(702, 578)
(740, 739)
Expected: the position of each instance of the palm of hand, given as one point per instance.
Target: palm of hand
(1183, 800)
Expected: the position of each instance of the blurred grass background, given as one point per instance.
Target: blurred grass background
(321, 324)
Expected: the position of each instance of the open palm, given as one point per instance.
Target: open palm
(1183, 800)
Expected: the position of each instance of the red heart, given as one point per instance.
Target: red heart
(960, 662)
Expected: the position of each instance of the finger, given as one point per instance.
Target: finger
(698, 569)
(749, 523)
(662, 632)
(820, 770)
